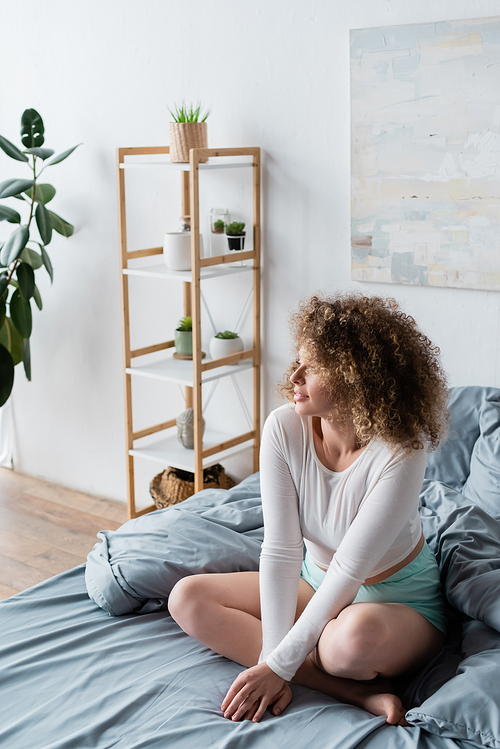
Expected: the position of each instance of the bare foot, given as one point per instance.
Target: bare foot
(375, 696)
(384, 704)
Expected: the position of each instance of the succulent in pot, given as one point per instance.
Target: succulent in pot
(183, 337)
(225, 343)
(218, 226)
(188, 130)
(235, 233)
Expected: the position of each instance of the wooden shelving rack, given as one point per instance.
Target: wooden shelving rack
(212, 447)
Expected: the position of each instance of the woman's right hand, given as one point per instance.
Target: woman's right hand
(253, 691)
(283, 699)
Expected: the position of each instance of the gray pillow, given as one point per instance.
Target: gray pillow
(483, 483)
(451, 461)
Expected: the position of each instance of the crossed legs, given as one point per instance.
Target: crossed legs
(356, 653)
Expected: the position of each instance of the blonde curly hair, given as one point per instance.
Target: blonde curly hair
(378, 369)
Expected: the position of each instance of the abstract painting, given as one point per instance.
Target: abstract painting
(425, 154)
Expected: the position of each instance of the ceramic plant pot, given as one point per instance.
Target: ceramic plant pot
(220, 347)
(184, 342)
(177, 250)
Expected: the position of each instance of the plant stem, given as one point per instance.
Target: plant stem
(34, 191)
(17, 261)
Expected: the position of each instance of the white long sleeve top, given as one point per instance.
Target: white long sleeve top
(356, 523)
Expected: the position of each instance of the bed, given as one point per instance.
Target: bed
(91, 657)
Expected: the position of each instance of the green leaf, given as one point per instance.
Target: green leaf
(63, 155)
(9, 214)
(20, 313)
(3, 283)
(11, 150)
(6, 375)
(38, 298)
(60, 225)
(11, 187)
(32, 129)
(27, 358)
(3, 311)
(47, 263)
(31, 257)
(13, 342)
(43, 153)
(43, 193)
(14, 245)
(44, 223)
(26, 277)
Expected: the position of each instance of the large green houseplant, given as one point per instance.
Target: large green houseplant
(25, 252)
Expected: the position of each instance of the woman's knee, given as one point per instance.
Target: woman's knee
(186, 600)
(349, 644)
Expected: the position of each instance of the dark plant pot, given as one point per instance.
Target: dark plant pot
(236, 244)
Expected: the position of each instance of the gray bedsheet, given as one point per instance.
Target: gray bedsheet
(74, 677)
(122, 674)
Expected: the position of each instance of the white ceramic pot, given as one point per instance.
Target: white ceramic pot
(220, 347)
(177, 250)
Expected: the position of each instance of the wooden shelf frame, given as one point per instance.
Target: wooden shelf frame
(190, 188)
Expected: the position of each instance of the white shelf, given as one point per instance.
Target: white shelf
(181, 372)
(161, 271)
(183, 167)
(168, 450)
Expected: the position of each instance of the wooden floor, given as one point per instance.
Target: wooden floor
(46, 529)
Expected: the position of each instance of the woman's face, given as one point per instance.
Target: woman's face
(310, 396)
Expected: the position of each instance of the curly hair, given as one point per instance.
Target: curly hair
(377, 367)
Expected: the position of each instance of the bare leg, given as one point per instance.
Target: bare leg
(223, 612)
(374, 696)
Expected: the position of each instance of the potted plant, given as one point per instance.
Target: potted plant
(183, 338)
(235, 235)
(218, 226)
(225, 343)
(23, 252)
(188, 130)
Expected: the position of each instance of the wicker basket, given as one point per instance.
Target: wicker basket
(186, 135)
(174, 485)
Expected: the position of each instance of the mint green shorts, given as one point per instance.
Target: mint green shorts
(416, 585)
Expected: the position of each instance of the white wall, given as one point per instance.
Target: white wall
(276, 74)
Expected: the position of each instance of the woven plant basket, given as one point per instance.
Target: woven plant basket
(186, 135)
(173, 485)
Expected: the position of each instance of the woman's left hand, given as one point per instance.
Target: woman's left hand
(253, 691)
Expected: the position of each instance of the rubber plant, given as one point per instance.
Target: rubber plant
(25, 251)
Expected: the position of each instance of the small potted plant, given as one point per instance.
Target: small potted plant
(218, 226)
(225, 343)
(188, 130)
(183, 338)
(235, 233)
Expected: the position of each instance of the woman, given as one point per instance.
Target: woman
(340, 471)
